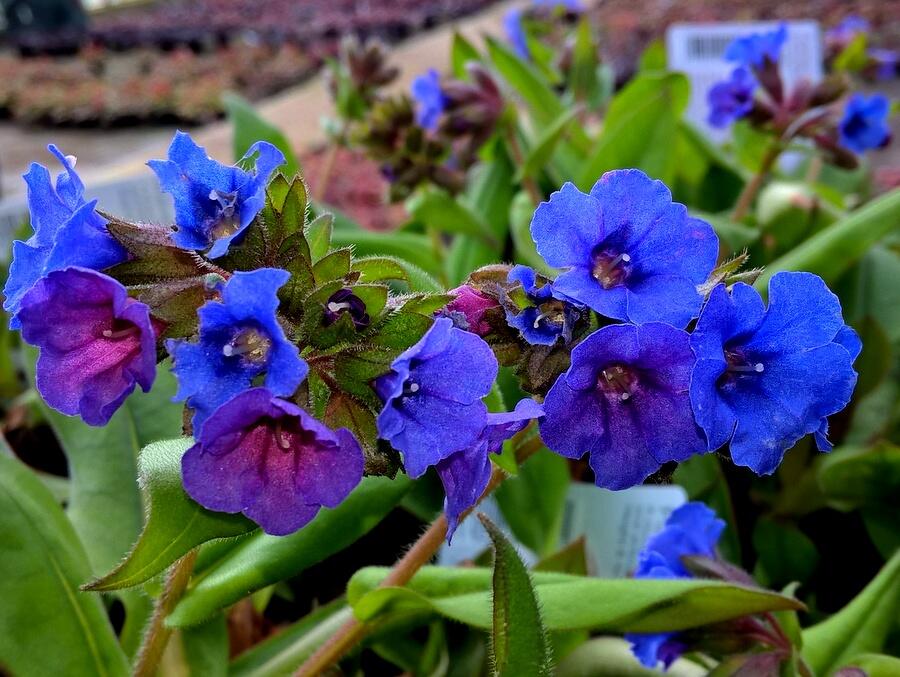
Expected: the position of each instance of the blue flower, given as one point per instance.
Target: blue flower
(624, 400)
(430, 99)
(765, 378)
(631, 253)
(515, 32)
(96, 342)
(240, 338)
(67, 232)
(432, 395)
(214, 203)
(731, 99)
(755, 49)
(849, 339)
(465, 473)
(691, 530)
(550, 316)
(841, 35)
(864, 125)
(268, 459)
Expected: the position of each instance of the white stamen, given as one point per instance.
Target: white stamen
(413, 387)
(336, 307)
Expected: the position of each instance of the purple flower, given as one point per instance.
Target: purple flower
(214, 203)
(631, 253)
(240, 339)
(731, 99)
(624, 400)
(465, 473)
(270, 460)
(430, 99)
(864, 125)
(842, 35)
(96, 342)
(432, 395)
(67, 232)
(885, 61)
(342, 302)
(467, 309)
(550, 316)
(765, 378)
(755, 49)
(692, 529)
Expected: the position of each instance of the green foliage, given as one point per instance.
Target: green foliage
(567, 602)
(261, 560)
(47, 626)
(175, 525)
(519, 642)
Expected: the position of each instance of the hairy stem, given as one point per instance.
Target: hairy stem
(745, 200)
(421, 552)
(157, 635)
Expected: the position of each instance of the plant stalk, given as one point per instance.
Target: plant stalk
(745, 199)
(157, 635)
(421, 552)
(531, 187)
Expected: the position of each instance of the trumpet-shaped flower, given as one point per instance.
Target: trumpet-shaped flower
(67, 232)
(96, 342)
(268, 459)
(864, 125)
(214, 203)
(766, 377)
(630, 252)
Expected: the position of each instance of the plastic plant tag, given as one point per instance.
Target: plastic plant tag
(617, 524)
(696, 49)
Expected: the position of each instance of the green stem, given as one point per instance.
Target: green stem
(531, 187)
(420, 554)
(157, 635)
(745, 200)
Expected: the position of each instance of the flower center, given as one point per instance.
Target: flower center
(119, 330)
(552, 313)
(250, 344)
(611, 269)
(618, 382)
(410, 388)
(345, 301)
(227, 222)
(739, 366)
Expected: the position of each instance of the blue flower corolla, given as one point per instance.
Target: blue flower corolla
(848, 338)
(624, 401)
(551, 315)
(239, 339)
(67, 232)
(754, 50)
(842, 34)
(515, 32)
(631, 253)
(465, 473)
(691, 530)
(214, 203)
(766, 377)
(432, 395)
(864, 125)
(731, 99)
(96, 343)
(270, 460)
(430, 99)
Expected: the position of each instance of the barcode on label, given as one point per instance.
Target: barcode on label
(708, 47)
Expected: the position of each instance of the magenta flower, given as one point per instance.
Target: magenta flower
(96, 342)
(467, 310)
(267, 458)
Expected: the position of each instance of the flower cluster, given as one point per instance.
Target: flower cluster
(754, 90)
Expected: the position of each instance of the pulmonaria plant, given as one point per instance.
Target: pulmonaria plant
(755, 91)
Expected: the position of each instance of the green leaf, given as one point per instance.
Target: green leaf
(176, 524)
(378, 268)
(440, 211)
(639, 127)
(854, 56)
(860, 627)
(833, 250)
(412, 247)
(851, 478)
(542, 149)
(205, 648)
(519, 643)
(462, 52)
(533, 502)
(653, 58)
(249, 128)
(261, 560)
(567, 602)
(784, 554)
(335, 266)
(47, 626)
(876, 665)
(583, 75)
(318, 234)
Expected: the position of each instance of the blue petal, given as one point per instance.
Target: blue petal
(631, 201)
(568, 227)
(465, 475)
